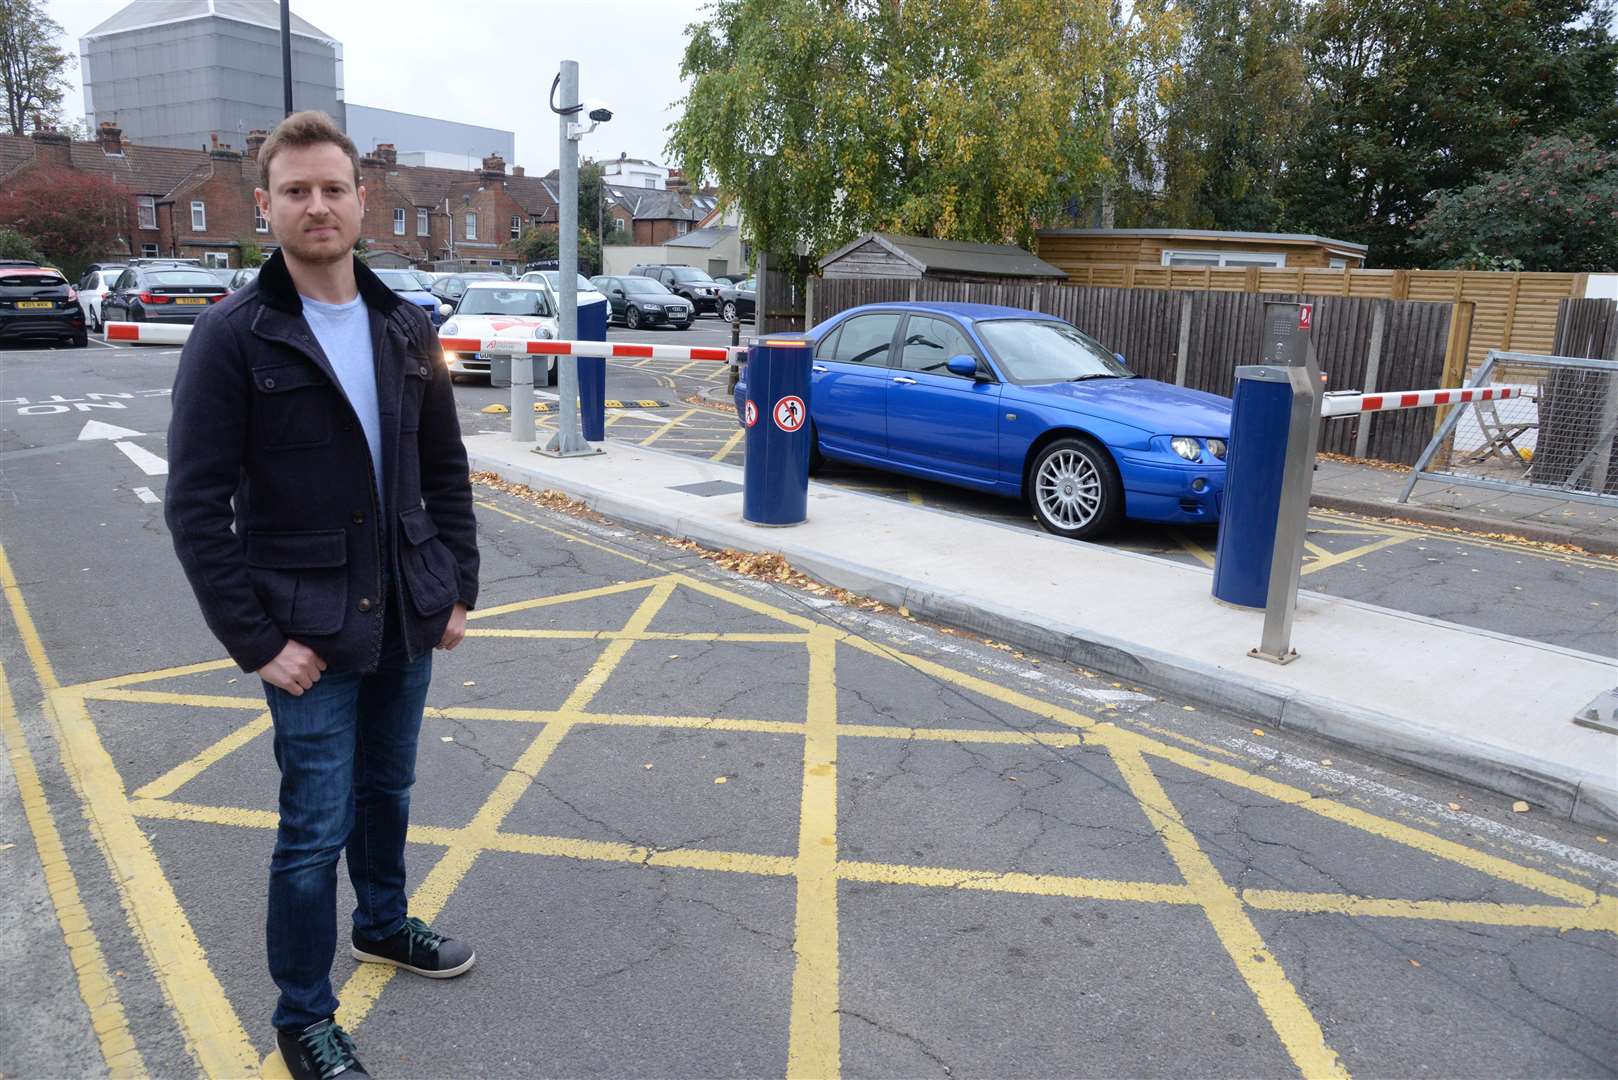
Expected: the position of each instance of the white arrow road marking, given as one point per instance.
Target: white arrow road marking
(145, 495)
(95, 429)
(148, 462)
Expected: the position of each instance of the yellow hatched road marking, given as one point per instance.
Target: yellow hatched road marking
(96, 988)
(667, 427)
(730, 444)
(176, 778)
(1601, 916)
(1297, 1027)
(1329, 559)
(814, 1042)
(1196, 550)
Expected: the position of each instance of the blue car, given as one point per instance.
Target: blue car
(1017, 403)
(408, 287)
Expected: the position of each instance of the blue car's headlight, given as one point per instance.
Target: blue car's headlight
(1186, 447)
(1217, 448)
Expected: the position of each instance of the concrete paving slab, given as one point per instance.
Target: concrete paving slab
(1483, 707)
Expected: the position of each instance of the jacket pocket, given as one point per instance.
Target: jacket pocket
(417, 374)
(301, 578)
(294, 406)
(427, 565)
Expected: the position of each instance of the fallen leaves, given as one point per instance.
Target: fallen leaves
(1454, 806)
(1519, 807)
(1259, 732)
(773, 566)
(550, 499)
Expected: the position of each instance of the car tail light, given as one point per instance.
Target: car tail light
(153, 298)
(72, 295)
(105, 293)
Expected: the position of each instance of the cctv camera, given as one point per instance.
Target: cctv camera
(598, 110)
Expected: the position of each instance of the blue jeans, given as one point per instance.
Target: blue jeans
(347, 753)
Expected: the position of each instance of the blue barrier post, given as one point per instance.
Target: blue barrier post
(593, 373)
(776, 416)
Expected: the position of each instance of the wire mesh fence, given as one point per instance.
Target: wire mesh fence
(1561, 440)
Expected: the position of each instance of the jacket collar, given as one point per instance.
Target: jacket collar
(277, 290)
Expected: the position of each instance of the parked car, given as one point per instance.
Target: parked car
(449, 287)
(94, 288)
(408, 288)
(730, 279)
(1017, 403)
(426, 277)
(6, 264)
(551, 279)
(502, 309)
(243, 278)
(170, 294)
(643, 301)
(39, 304)
(695, 285)
(737, 300)
(222, 274)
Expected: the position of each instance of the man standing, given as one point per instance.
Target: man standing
(319, 502)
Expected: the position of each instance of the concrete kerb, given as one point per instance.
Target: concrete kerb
(1594, 543)
(1579, 795)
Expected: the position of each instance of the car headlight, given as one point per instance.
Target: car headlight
(1217, 448)
(448, 329)
(1186, 447)
(653, 307)
(542, 334)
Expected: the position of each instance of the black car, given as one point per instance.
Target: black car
(449, 289)
(242, 278)
(737, 300)
(641, 301)
(693, 284)
(39, 303)
(169, 294)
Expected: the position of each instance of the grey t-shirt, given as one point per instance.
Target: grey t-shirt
(344, 333)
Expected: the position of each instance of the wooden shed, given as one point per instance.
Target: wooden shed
(1197, 247)
(885, 255)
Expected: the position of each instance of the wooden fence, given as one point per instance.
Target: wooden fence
(1197, 339)
(1510, 311)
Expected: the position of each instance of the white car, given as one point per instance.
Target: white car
(516, 310)
(552, 280)
(93, 289)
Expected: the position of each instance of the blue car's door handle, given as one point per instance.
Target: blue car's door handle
(905, 380)
(818, 369)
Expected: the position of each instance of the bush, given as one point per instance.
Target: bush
(14, 245)
(73, 218)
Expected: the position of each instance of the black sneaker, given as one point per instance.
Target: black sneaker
(320, 1051)
(415, 947)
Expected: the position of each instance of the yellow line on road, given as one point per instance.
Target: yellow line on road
(213, 1032)
(618, 635)
(155, 675)
(169, 697)
(1297, 1027)
(1200, 553)
(668, 427)
(96, 988)
(571, 538)
(1601, 916)
(730, 444)
(814, 1041)
(564, 598)
(938, 877)
(180, 775)
(1330, 559)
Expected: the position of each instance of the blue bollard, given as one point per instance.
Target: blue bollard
(776, 475)
(1252, 499)
(593, 373)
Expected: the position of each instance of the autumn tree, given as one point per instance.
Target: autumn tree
(31, 64)
(14, 245)
(821, 119)
(1555, 207)
(72, 217)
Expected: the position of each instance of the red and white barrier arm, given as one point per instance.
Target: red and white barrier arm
(1353, 404)
(149, 333)
(610, 349)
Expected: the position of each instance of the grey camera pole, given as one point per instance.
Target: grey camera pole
(569, 438)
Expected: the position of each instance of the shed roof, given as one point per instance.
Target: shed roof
(930, 256)
(1217, 234)
(703, 238)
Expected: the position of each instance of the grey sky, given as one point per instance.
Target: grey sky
(489, 62)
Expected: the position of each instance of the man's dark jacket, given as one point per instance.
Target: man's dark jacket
(260, 417)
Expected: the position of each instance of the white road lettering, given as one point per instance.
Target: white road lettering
(145, 495)
(148, 462)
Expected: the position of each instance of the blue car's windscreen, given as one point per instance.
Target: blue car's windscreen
(1042, 351)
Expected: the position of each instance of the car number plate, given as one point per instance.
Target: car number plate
(190, 299)
(35, 304)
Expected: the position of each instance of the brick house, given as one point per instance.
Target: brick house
(199, 203)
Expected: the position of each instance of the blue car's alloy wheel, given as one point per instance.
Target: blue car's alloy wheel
(1074, 490)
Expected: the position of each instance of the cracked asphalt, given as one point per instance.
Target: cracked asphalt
(703, 825)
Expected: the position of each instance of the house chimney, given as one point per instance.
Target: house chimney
(213, 140)
(517, 170)
(494, 166)
(386, 153)
(111, 137)
(255, 139)
(52, 147)
(371, 161)
(225, 162)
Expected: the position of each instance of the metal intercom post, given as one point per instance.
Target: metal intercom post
(1289, 345)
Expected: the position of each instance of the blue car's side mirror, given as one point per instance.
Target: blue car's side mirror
(964, 365)
(1118, 356)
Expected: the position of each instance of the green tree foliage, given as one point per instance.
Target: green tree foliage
(1228, 116)
(31, 64)
(1555, 207)
(72, 217)
(538, 244)
(14, 245)
(1414, 97)
(251, 254)
(821, 119)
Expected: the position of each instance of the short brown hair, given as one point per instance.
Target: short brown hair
(308, 128)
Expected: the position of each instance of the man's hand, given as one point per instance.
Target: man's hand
(295, 668)
(456, 630)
